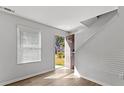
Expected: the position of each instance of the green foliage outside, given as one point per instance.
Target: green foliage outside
(60, 47)
(59, 59)
(60, 54)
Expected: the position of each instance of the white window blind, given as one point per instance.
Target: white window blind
(29, 45)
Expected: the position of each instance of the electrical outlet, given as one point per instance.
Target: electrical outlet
(121, 76)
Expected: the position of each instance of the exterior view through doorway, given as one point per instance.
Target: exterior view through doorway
(59, 51)
(64, 52)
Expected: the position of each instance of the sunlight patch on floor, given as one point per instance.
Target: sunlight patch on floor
(61, 72)
(71, 76)
(56, 76)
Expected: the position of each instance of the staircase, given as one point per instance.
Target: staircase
(92, 27)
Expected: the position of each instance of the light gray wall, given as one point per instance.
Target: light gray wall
(9, 70)
(101, 58)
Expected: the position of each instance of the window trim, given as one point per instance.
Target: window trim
(26, 29)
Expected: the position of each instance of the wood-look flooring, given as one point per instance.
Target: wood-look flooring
(59, 77)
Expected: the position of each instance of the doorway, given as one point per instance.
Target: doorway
(59, 51)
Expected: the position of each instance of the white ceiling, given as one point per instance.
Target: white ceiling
(62, 17)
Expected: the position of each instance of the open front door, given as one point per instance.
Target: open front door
(69, 52)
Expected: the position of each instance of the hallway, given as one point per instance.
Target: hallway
(60, 77)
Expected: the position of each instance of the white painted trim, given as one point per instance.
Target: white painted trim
(93, 80)
(24, 77)
(23, 28)
(76, 73)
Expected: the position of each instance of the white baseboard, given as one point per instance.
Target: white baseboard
(32, 75)
(76, 73)
(95, 81)
(24, 77)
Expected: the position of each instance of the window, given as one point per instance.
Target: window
(29, 45)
